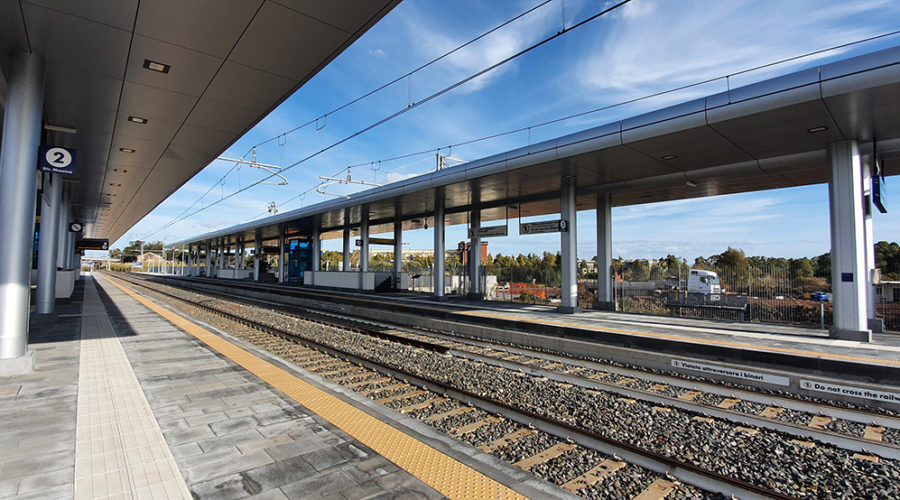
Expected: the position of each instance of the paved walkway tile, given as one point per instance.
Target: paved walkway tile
(233, 435)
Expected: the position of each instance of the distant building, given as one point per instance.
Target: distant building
(887, 291)
(150, 258)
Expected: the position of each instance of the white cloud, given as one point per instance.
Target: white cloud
(430, 40)
(655, 45)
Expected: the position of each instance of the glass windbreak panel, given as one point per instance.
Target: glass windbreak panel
(299, 259)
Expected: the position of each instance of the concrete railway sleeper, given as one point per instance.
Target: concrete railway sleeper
(854, 429)
(575, 471)
(714, 454)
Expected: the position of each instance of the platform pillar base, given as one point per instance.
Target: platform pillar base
(604, 306)
(475, 296)
(23, 365)
(876, 325)
(569, 309)
(857, 335)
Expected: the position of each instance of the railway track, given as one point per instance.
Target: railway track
(850, 428)
(569, 426)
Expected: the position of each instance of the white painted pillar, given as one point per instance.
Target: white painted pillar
(208, 258)
(220, 256)
(364, 238)
(281, 254)
(398, 250)
(872, 321)
(604, 253)
(62, 255)
(437, 273)
(848, 253)
(475, 291)
(50, 244)
(316, 263)
(73, 260)
(568, 247)
(18, 157)
(345, 266)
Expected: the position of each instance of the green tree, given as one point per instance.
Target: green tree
(640, 270)
(887, 258)
(822, 266)
(801, 268)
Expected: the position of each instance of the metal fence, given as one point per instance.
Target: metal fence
(757, 294)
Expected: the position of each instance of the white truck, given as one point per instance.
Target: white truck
(705, 282)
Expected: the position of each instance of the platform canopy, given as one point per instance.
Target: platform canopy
(200, 73)
(772, 134)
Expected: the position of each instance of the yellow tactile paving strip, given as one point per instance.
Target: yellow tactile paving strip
(680, 338)
(443, 473)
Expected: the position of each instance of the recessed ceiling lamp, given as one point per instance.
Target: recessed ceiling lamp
(156, 66)
(813, 130)
(691, 183)
(60, 128)
(669, 157)
(137, 119)
(126, 150)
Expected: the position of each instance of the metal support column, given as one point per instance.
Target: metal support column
(281, 253)
(165, 266)
(568, 247)
(72, 262)
(345, 265)
(208, 259)
(873, 322)
(257, 253)
(364, 240)
(475, 291)
(316, 264)
(18, 157)
(848, 253)
(62, 258)
(604, 254)
(398, 251)
(51, 213)
(220, 256)
(437, 272)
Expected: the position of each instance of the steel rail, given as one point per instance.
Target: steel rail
(812, 407)
(662, 464)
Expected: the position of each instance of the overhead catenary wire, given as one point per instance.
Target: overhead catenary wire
(282, 137)
(412, 106)
(525, 128)
(623, 103)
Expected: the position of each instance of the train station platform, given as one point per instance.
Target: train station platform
(131, 400)
(776, 357)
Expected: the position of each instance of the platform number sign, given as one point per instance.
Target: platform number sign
(57, 160)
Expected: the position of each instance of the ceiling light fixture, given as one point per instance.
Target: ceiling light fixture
(669, 157)
(126, 150)
(137, 119)
(813, 130)
(60, 128)
(156, 66)
(691, 183)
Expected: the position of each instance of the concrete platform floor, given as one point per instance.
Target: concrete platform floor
(226, 433)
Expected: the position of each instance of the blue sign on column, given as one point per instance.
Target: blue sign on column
(57, 160)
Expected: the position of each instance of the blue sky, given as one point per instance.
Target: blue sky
(645, 47)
